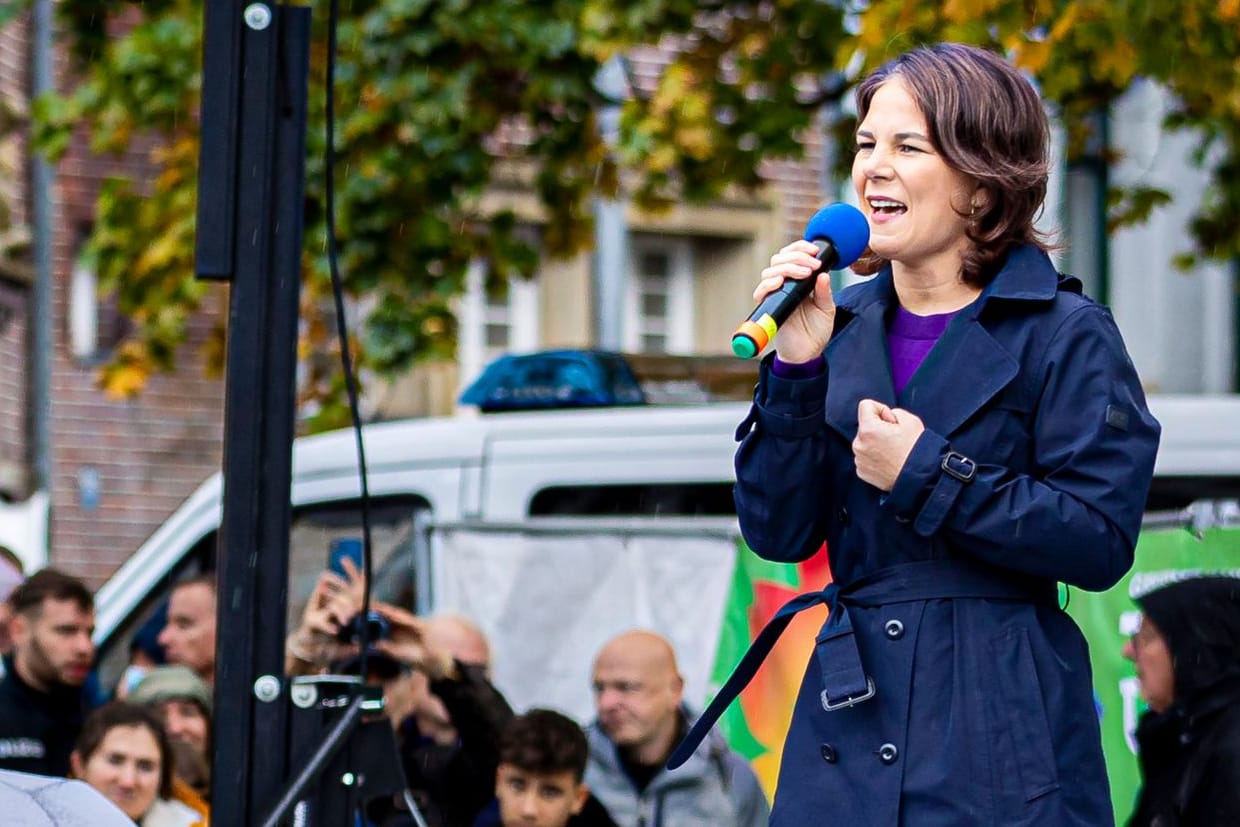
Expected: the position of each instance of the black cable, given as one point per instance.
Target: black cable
(342, 332)
(350, 384)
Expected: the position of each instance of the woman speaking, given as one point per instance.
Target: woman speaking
(964, 430)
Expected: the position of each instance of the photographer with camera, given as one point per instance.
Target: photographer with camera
(436, 689)
(333, 603)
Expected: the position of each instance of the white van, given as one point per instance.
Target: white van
(645, 470)
(645, 463)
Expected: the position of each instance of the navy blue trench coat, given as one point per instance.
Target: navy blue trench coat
(1034, 468)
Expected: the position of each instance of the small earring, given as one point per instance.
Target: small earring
(972, 210)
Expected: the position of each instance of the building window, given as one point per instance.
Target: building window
(660, 300)
(502, 319)
(83, 312)
(95, 323)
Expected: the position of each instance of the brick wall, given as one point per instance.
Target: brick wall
(13, 457)
(148, 454)
(143, 456)
(14, 292)
(13, 93)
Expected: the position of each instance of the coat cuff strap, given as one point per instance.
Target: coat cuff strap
(788, 408)
(955, 472)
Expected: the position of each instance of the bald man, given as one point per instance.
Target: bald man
(638, 695)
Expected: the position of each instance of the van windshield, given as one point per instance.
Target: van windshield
(316, 529)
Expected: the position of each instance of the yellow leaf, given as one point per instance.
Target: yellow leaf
(1064, 24)
(661, 159)
(124, 379)
(1032, 55)
(963, 11)
(1119, 62)
(696, 141)
(159, 253)
(753, 44)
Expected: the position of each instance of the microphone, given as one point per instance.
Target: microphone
(840, 232)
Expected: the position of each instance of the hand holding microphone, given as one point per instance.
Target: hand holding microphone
(834, 238)
(806, 325)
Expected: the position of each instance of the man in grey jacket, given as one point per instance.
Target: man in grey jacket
(638, 696)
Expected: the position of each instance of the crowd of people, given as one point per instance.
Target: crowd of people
(470, 761)
(146, 749)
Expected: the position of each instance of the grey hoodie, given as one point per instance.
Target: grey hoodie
(714, 788)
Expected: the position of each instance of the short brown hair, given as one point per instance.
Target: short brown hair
(49, 583)
(988, 123)
(123, 713)
(545, 742)
(207, 579)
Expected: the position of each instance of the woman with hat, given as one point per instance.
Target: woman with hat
(182, 701)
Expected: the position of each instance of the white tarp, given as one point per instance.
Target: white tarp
(548, 601)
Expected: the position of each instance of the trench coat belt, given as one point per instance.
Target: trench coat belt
(844, 680)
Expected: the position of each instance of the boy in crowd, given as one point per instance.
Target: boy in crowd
(542, 760)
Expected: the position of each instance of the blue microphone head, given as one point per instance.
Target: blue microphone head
(846, 228)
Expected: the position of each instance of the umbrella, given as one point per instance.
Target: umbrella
(40, 801)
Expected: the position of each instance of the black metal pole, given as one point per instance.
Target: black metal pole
(265, 203)
(217, 148)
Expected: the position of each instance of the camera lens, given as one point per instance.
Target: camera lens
(376, 626)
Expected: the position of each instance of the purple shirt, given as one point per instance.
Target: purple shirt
(909, 339)
(798, 370)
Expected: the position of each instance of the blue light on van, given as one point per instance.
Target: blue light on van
(555, 379)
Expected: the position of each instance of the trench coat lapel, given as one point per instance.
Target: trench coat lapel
(860, 366)
(967, 367)
(963, 371)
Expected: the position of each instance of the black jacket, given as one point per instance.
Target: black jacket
(454, 786)
(1190, 753)
(451, 784)
(38, 729)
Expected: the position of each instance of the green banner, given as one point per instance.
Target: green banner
(1108, 618)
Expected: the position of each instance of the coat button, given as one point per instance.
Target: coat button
(894, 629)
(888, 753)
(842, 516)
(829, 754)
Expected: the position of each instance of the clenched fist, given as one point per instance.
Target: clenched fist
(885, 438)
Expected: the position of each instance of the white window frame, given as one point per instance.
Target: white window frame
(678, 328)
(83, 312)
(519, 314)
